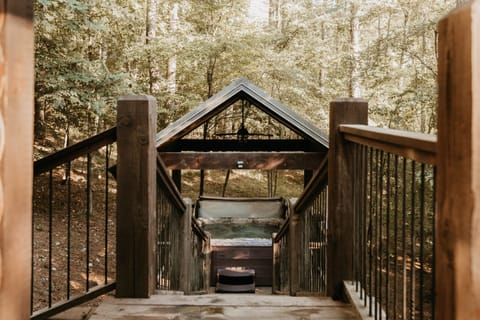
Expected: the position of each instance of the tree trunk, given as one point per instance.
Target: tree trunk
(210, 75)
(321, 73)
(150, 34)
(354, 90)
(172, 61)
(275, 14)
(39, 121)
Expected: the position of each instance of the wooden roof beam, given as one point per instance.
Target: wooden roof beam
(242, 160)
(235, 145)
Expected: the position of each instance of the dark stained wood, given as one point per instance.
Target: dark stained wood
(16, 153)
(340, 193)
(307, 176)
(136, 198)
(295, 229)
(197, 229)
(416, 146)
(185, 248)
(240, 89)
(177, 179)
(235, 145)
(457, 258)
(74, 151)
(317, 182)
(166, 183)
(275, 264)
(283, 230)
(230, 160)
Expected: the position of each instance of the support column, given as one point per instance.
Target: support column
(295, 254)
(340, 194)
(186, 251)
(136, 196)
(275, 264)
(16, 156)
(207, 250)
(457, 250)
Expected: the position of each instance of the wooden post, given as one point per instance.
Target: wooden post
(16, 154)
(340, 194)
(136, 196)
(295, 252)
(457, 254)
(185, 239)
(207, 250)
(275, 264)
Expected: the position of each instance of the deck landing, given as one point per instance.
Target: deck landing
(223, 306)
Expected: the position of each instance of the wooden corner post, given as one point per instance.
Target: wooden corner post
(16, 154)
(275, 264)
(340, 193)
(136, 196)
(186, 250)
(457, 250)
(295, 232)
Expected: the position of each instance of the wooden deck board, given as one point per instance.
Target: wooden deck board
(223, 306)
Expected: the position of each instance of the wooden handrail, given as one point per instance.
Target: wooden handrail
(74, 151)
(415, 146)
(317, 182)
(167, 184)
(198, 230)
(283, 230)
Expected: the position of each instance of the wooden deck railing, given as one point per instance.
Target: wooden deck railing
(393, 221)
(170, 214)
(182, 259)
(159, 245)
(403, 207)
(200, 261)
(73, 256)
(281, 256)
(299, 248)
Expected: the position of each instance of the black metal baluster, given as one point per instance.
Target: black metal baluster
(69, 226)
(89, 203)
(404, 239)
(387, 282)
(50, 236)
(422, 237)
(364, 218)
(32, 264)
(395, 236)
(324, 239)
(157, 239)
(377, 211)
(412, 244)
(107, 161)
(380, 238)
(355, 212)
(434, 210)
(370, 233)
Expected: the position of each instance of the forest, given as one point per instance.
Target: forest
(302, 52)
